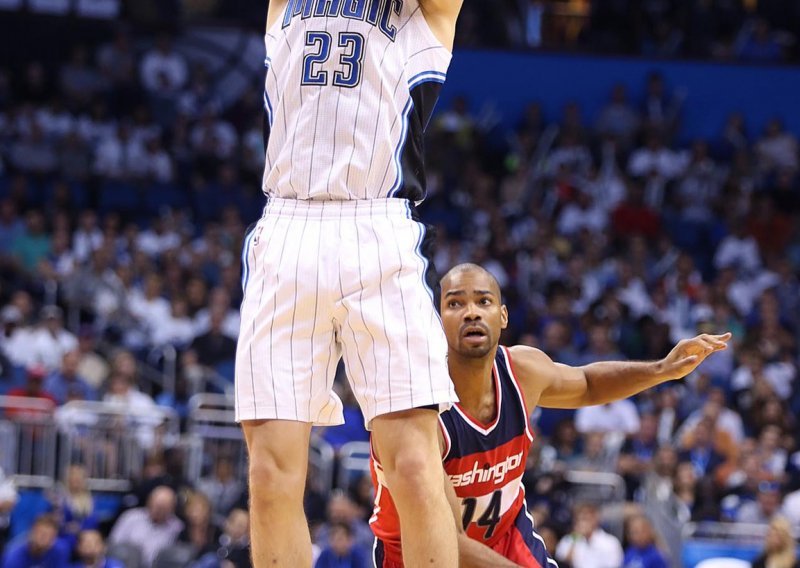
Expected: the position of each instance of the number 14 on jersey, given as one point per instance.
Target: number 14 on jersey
(351, 56)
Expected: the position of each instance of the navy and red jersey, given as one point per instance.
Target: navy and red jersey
(485, 463)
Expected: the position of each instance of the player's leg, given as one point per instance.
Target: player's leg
(278, 451)
(395, 352)
(285, 365)
(409, 453)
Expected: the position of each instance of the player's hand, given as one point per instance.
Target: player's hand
(689, 353)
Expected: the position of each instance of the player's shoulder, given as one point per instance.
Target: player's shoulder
(532, 367)
(527, 356)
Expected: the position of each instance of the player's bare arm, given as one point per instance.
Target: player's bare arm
(276, 8)
(441, 16)
(553, 385)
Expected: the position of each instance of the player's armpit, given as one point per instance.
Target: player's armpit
(471, 553)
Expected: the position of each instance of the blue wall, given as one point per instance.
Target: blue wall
(510, 80)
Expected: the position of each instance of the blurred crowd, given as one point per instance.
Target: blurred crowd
(125, 189)
(761, 31)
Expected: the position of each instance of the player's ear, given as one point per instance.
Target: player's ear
(503, 317)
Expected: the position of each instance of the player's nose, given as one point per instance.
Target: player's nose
(471, 314)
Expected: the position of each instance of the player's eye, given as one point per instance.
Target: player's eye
(485, 301)
(453, 304)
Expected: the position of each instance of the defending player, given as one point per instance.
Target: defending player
(485, 438)
(336, 267)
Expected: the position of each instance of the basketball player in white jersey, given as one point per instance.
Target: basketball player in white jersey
(336, 266)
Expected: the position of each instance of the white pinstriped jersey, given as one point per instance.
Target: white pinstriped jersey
(350, 87)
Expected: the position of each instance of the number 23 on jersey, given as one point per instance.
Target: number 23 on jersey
(350, 50)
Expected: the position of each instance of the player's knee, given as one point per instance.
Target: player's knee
(272, 484)
(414, 470)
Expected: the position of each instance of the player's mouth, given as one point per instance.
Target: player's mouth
(474, 335)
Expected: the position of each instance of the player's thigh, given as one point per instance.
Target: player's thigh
(394, 346)
(278, 453)
(286, 355)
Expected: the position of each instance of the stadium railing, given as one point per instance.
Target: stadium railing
(112, 440)
(213, 433)
(712, 540)
(353, 463)
(29, 440)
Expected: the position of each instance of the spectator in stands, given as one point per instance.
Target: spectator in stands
(73, 504)
(14, 335)
(214, 347)
(634, 217)
(163, 69)
(213, 138)
(618, 119)
(67, 383)
(120, 156)
(700, 447)
(619, 416)
(11, 225)
(33, 153)
(715, 409)
(588, 545)
(200, 530)
(116, 61)
(341, 509)
(224, 488)
(149, 306)
(657, 484)
(780, 548)
(33, 388)
(33, 244)
(773, 455)
(760, 44)
(178, 329)
(233, 546)
(341, 551)
(152, 528)
(766, 505)
(8, 499)
(40, 548)
(79, 81)
(51, 341)
(685, 488)
(636, 454)
(791, 508)
(92, 367)
(219, 300)
(595, 456)
(91, 551)
(642, 551)
(777, 149)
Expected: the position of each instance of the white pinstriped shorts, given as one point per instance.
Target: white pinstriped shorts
(326, 279)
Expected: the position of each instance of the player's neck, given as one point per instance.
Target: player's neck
(474, 383)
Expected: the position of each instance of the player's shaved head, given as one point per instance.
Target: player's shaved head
(473, 314)
(469, 268)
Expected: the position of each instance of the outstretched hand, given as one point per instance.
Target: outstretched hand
(689, 353)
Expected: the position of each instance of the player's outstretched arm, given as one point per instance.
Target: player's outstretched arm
(553, 385)
(471, 553)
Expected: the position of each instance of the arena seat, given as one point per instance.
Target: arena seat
(175, 556)
(129, 554)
